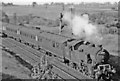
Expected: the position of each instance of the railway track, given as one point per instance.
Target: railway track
(29, 62)
(32, 53)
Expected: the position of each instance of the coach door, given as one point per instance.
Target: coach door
(18, 32)
(68, 52)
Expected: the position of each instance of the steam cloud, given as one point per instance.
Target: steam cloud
(81, 27)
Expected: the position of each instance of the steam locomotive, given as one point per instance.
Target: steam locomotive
(83, 56)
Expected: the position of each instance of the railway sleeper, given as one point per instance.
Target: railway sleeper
(18, 39)
(29, 44)
(66, 61)
(49, 53)
(22, 41)
(11, 37)
(75, 66)
(42, 50)
(4, 35)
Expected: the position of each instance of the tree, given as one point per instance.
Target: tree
(5, 17)
(33, 4)
(52, 3)
(46, 5)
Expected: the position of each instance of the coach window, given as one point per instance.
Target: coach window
(65, 43)
(15, 31)
(10, 29)
(34, 37)
(6, 28)
(57, 45)
(21, 33)
(53, 44)
(31, 36)
(26, 34)
(70, 47)
(40, 39)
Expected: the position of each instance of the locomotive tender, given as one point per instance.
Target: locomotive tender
(72, 51)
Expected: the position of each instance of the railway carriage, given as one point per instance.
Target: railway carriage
(2, 29)
(29, 36)
(52, 43)
(12, 31)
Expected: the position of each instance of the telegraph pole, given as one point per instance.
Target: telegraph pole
(119, 12)
(14, 18)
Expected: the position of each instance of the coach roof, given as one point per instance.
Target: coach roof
(30, 30)
(54, 37)
(13, 26)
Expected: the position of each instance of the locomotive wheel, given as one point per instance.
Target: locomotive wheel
(36, 47)
(71, 64)
(66, 61)
(20, 40)
(4, 35)
(32, 46)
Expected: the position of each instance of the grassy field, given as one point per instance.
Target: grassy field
(52, 12)
(11, 66)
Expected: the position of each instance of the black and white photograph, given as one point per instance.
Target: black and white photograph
(59, 40)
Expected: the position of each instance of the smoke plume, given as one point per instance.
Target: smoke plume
(81, 27)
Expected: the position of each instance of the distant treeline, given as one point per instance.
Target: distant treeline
(7, 4)
(112, 30)
(35, 20)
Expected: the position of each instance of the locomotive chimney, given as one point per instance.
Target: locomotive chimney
(14, 18)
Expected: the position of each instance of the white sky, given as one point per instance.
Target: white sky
(65, 1)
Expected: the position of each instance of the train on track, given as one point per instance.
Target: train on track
(83, 56)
